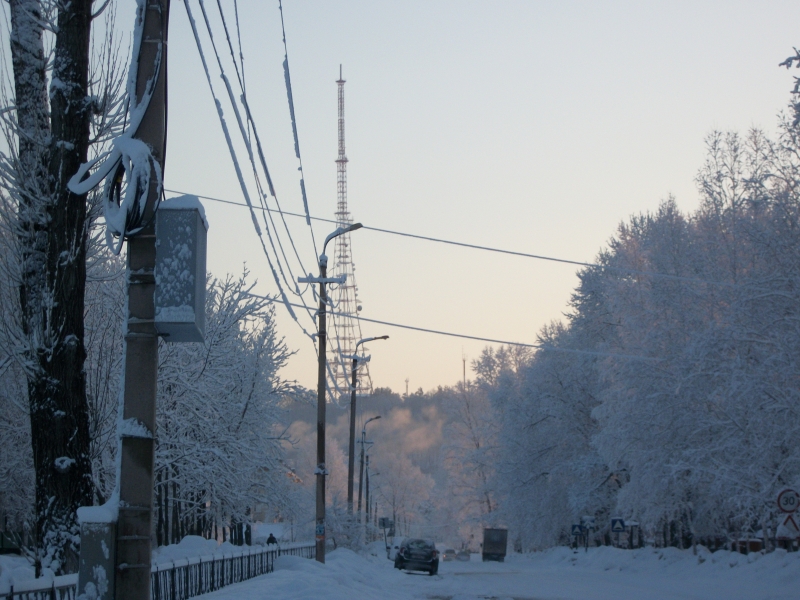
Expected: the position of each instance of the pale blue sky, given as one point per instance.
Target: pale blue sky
(530, 126)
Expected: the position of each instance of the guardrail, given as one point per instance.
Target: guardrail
(179, 579)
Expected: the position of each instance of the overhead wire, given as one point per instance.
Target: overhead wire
(288, 80)
(238, 170)
(265, 209)
(249, 148)
(567, 261)
(276, 266)
(251, 124)
(539, 346)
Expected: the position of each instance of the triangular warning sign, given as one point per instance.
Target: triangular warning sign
(789, 528)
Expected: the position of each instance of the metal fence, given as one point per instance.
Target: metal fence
(179, 579)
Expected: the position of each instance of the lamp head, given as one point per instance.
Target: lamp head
(339, 231)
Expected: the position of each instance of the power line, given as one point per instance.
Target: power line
(491, 249)
(547, 347)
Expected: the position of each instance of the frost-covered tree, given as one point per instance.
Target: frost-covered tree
(218, 446)
(404, 491)
(470, 454)
(670, 394)
(57, 106)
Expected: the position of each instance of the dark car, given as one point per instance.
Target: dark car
(417, 555)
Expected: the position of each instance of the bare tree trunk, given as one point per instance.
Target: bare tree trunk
(53, 236)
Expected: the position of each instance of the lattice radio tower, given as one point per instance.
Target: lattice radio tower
(346, 326)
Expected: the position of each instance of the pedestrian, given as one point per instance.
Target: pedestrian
(271, 540)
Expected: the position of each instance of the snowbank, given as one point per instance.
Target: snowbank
(17, 571)
(344, 576)
(600, 574)
(195, 548)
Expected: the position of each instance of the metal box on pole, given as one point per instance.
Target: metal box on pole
(180, 272)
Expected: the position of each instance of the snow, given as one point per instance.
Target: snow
(134, 428)
(194, 548)
(18, 571)
(604, 573)
(105, 513)
(185, 202)
(600, 574)
(63, 463)
(176, 314)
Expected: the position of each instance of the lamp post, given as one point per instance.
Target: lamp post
(368, 501)
(321, 471)
(361, 471)
(352, 446)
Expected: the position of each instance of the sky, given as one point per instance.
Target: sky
(535, 127)
(529, 126)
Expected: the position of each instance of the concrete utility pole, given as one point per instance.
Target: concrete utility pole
(322, 335)
(321, 471)
(352, 446)
(361, 472)
(367, 493)
(132, 565)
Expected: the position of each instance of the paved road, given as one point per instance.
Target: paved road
(523, 578)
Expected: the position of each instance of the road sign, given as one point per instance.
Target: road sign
(383, 522)
(576, 529)
(789, 528)
(617, 524)
(788, 501)
(588, 522)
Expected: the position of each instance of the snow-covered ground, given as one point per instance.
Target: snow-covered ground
(600, 574)
(557, 574)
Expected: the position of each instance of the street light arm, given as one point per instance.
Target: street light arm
(339, 231)
(364, 429)
(372, 339)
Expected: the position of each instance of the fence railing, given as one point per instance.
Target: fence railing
(179, 579)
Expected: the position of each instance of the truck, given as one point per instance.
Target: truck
(494, 544)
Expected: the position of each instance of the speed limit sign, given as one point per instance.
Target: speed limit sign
(788, 501)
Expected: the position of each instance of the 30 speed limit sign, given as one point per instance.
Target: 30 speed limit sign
(788, 501)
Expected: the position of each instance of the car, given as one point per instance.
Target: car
(463, 555)
(417, 554)
(448, 554)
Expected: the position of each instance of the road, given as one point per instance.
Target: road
(558, 574)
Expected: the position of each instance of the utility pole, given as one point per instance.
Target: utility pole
(367, 495)
(133, 552)
(361, 471)
(352, 445)
(321, 472)
(361, 474)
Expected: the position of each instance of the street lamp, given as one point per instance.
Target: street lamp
(352, 447)
(368, 499)
(321, 471)
(361, 471)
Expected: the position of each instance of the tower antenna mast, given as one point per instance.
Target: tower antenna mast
(347, 328)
